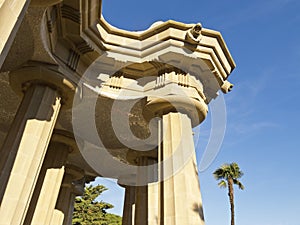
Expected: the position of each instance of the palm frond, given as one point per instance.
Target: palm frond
(222, 184)
(219, 174)
(235, 169)
(229, 171)
(240, 185)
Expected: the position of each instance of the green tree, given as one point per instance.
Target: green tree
(114, 219)
(89, 211)
(229, 174)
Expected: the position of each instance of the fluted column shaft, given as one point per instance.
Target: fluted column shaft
(23, 152)
(129, 206)
(47, 189)
(141, 194)
(146, 196)
(182, 203)
(71, 187)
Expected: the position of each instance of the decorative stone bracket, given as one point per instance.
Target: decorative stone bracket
(193, 35)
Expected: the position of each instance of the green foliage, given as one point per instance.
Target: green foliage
(114, 219)
(229, 171)
(88, 211)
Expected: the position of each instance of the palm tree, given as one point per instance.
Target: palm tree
(228, 174)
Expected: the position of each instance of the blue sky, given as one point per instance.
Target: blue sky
(263, 109)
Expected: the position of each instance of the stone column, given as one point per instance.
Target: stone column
(47, 189)
(182, 202)
(72, 186)
(12, 14)
(129, 206)
(146, 196)
(153, 203)
(23, 152)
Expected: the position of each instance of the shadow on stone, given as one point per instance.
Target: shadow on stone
(199, 209)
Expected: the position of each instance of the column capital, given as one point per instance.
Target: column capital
(66, 138)
(75, 173)
(196, 109)
(73, 180)
(133, 156)
(42, 74)
(176, 91)
(127, 180)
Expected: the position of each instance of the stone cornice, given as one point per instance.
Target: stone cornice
(142, 44)
(171, 27)
(80, 35)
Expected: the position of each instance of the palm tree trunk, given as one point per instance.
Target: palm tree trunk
(231, 200)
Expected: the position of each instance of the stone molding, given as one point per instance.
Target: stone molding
(47, 75)
(86, 36)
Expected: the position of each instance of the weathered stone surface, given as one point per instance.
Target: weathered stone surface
(127, 84)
